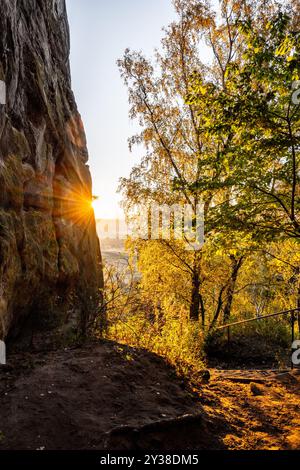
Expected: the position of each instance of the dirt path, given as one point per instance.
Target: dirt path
(71, 399)
(254, 409)
(115, 397)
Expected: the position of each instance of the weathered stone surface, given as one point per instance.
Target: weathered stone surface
(50, 261)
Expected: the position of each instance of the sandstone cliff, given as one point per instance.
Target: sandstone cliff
(50, 264)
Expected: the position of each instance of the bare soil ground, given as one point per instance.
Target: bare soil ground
(256, 409)
(109, 396)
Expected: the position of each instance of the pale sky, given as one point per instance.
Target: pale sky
(100, 32)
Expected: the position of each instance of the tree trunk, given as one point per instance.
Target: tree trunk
(236, 265)
(218, 309)
(196, 298)
(202, 311)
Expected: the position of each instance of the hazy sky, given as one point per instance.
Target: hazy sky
(100, 32)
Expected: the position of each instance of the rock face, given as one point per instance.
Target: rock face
(50, 263)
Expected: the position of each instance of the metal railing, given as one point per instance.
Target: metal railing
(291, 312)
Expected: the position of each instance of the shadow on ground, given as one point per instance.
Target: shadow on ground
(104, 395)
(101, 395)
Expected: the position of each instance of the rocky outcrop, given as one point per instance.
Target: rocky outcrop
(50, 264)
